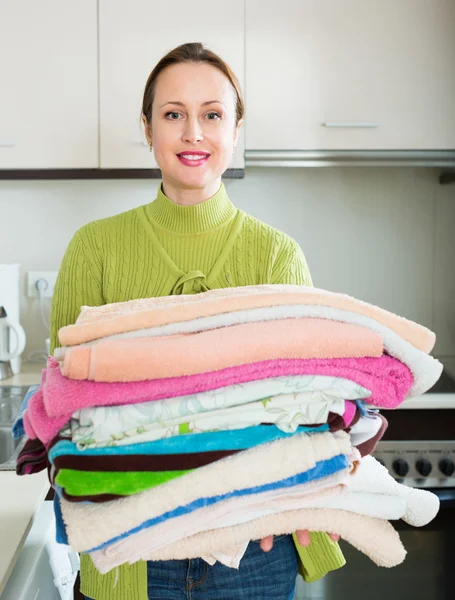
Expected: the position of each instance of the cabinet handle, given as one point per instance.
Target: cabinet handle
(7, 143)
(352, 124)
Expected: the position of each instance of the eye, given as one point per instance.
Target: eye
(213, 116)
(172, 115)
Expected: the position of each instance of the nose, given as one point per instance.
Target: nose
(192, 132)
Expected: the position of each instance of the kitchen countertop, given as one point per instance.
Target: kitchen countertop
(29, 375)
(20, 498)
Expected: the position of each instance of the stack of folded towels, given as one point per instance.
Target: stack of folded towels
(186, 426)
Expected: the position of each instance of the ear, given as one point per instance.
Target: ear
(237, 131)
(147, 129)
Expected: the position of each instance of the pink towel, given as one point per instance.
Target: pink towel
(213, 350)
(349, 412)
(97, 322)
(52, 406)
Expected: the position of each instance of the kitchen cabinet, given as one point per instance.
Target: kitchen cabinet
(332, 75)
(132, 38)
(49, 87)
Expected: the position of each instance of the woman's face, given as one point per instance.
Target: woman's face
(193, 128)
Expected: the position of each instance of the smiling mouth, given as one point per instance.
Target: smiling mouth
(193, 160)
(193, 156)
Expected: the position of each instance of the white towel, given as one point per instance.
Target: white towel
(229, 557)
(365, 429)
(287, 412)
(421, 506)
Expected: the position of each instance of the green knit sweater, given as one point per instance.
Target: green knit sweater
(160, 249)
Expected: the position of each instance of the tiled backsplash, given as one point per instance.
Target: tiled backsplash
(384, 235)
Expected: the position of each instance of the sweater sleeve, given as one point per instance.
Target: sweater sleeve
(79, 282)
(290, 265)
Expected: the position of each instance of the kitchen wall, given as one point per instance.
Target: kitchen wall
(384, 235)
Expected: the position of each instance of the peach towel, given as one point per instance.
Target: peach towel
(179, 355)
(101, 321)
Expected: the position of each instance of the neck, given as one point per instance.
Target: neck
(200, 217)
(189, 196)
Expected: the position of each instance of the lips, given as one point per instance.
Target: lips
(193, 154)
(193, 159)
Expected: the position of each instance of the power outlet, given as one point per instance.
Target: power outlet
(33, 276)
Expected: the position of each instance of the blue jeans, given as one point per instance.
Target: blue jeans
(261, 576)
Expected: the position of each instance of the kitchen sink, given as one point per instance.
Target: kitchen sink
(10, 401)
(9, 449)
(8, 412)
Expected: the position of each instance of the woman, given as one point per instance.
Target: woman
(191, 238)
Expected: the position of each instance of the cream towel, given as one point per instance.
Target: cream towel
(374, 537)
(370, 491)
(224, 514)
(155, 539)
(91, 525)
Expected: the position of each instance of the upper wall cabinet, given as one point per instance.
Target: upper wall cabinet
(48, 84)
(133, 37)
(350, 74)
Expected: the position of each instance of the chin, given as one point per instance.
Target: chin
(196, 180)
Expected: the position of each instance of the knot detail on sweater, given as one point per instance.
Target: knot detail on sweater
(193, 282)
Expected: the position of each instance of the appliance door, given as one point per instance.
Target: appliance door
(428, 572)
(45, 570)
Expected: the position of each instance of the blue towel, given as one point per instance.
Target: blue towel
(18, 426)
(323, 468)
(234, 439)
(365, 410)
(61, 536)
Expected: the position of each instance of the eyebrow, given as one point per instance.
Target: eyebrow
(181, 103)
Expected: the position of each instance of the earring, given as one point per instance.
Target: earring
(150, 148)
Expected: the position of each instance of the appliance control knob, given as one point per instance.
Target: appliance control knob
(447, 467)
(424, 467)
(401, 467)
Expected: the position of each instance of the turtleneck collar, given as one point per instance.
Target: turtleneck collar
(191, 219)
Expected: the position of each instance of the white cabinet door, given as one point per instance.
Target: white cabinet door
(350, 74)
(133, 37)
(48, 84)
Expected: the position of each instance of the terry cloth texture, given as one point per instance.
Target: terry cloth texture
(376, 538)
(388, 379)
(294, 455)
(213, 350)
(100, 321)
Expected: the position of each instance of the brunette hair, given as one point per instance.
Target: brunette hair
(193, 52)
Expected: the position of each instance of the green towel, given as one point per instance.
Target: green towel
(120, 483)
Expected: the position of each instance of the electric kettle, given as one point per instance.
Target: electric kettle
(10, 333)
